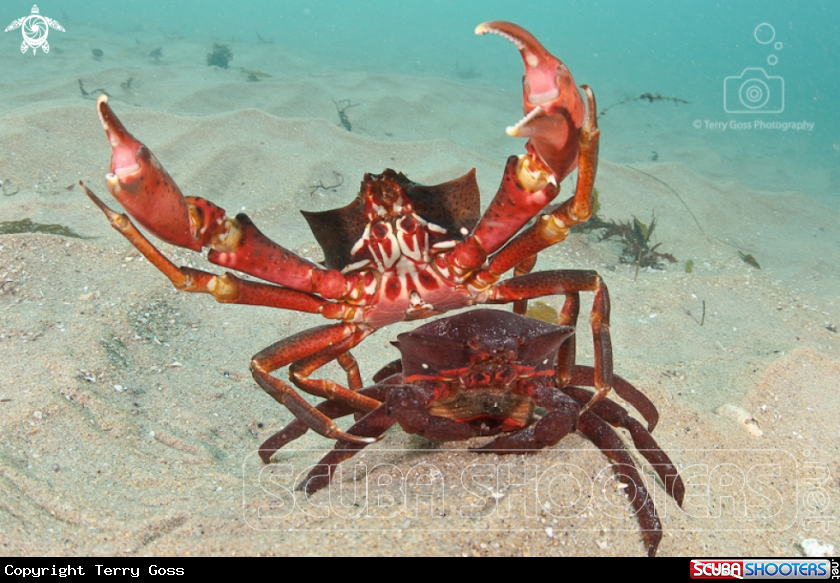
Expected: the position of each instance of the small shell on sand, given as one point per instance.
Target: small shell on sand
(742, 417)
(817, 548)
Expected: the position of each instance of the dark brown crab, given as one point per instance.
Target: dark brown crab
(483, 373)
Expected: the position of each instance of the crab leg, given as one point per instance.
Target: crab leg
(372, 426)
(521, 195)
(585, 375)
(617, 416)
(568, 373)
(147, 192)
(296, 428)
(524, 267)
(566, 354)
(610, 444)
(338, 339)
(567, 282)
(331, 409)
(354, 376)
(300, 370)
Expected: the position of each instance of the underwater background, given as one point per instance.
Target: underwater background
(623, 50)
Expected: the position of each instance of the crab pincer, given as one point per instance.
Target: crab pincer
(554, 110)
(142, 186)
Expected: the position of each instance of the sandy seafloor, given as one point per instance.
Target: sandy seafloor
(129, 419)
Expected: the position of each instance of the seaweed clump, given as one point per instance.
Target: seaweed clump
(220, 56)
(29, 226)
(635, 237)
(342, 106)
(749, 260)
(253, 74)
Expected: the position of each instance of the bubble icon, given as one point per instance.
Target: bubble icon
(764, 33)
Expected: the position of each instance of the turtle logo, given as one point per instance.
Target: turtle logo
(35, 30)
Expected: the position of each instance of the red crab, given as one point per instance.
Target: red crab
(399, 251)
(483, 372)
